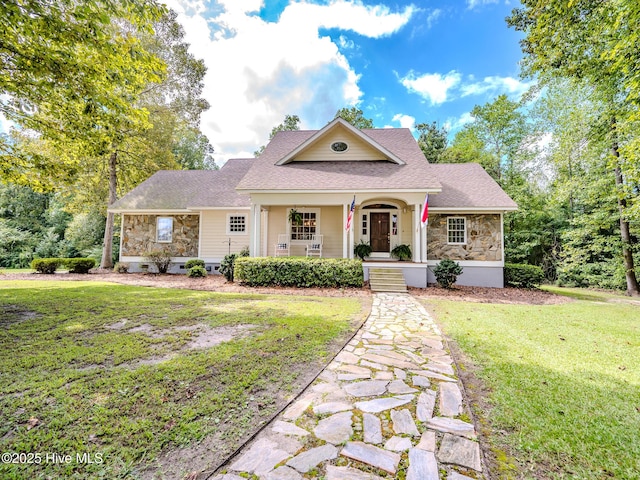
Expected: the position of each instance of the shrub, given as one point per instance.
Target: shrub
(46, 265)
(197, 272)
(227, 265)
(121, 267)
(79, 265)
(447, 272)
(362, 250)
(299, 272)
(161, 259)
(402, 252)
(194, 262)
(521, 275)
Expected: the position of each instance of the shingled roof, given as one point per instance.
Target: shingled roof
(188, 189)
(351, 176)
(468, 185)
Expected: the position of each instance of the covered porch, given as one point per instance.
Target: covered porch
(383, 221)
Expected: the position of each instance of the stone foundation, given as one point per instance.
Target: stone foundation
(484, 239)
(139, 235)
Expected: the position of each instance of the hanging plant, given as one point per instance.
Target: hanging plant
(295, 217)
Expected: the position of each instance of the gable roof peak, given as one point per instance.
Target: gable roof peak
(336, 123)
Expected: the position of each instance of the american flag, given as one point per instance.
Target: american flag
(347, 227)
(425, 211)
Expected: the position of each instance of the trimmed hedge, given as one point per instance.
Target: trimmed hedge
(46, 265)
(74, 265)
(79, 265)
(197, 271)
(522, 276)
(194, 262)
(299, 272)
(447, 272)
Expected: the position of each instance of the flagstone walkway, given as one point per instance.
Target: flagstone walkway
(388, 406)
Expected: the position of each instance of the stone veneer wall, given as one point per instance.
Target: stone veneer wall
(139, 235)
(484, 239)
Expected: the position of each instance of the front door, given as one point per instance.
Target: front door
(379, 231)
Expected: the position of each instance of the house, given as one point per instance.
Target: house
(247, 203)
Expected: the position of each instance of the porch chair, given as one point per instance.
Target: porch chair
(283, 246)
(315, 247)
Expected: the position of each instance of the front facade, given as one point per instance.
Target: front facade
(319, 175)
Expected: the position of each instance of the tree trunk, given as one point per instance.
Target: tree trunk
(107, 249)
(625, 234)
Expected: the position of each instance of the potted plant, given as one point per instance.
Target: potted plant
(362, 249)
(295, 217)
(402, 252)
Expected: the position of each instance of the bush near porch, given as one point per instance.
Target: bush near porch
(299, 272)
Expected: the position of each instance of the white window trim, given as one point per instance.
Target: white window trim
(158, 230)
(464, 219)
(228, 223)
(304, 210)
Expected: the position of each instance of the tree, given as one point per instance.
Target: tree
(68, 69)
(355, 117)
(290, 123)
(584, 40)
(432, 140)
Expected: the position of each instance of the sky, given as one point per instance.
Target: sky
(401, 62)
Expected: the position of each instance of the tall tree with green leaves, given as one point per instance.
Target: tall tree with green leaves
(290, 123)
(583, 40)
(433, 141)
(355, 117)
(69, 70)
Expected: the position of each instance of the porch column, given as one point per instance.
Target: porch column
(352, 234)
(345, 234)
(254, 241)
(416, 233)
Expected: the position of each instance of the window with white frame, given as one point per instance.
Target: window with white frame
(306, 226)
(236, 224)
(164, 230)
(457, 230)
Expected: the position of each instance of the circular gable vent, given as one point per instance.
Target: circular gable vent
(339, 147)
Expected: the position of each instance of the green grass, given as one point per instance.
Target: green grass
(564, 382)
(62, 364)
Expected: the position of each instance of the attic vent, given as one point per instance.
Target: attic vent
(339, 147)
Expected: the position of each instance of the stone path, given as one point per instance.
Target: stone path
(388, 406)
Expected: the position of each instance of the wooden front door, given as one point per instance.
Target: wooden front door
(379, 231)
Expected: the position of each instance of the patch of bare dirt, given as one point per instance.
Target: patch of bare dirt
(491, 295)
(10, 314)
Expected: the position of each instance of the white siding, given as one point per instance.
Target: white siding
(358, 149)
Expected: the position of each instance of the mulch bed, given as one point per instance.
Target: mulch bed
(217, 283)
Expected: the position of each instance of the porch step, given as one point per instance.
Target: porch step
(386, 280)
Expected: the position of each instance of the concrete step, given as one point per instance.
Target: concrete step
(386, 280)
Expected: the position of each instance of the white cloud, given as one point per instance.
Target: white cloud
(496, 85)
(455, 124)
(431, 86)
(259, 71)
(405, 121)
(475, 3)
(433, 16)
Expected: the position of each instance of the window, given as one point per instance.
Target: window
(456, 230)
(364, 224)
(339, 147)
(306, 228)
(394, 224)
(236, 224)
(164, 230)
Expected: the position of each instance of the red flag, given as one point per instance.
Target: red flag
(347, 227)
(425, 211)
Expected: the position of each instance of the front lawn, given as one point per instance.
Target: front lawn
(119, 374)
(563, 383)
